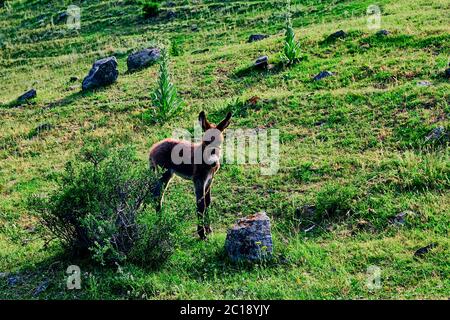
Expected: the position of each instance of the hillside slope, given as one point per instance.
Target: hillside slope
(357, 139)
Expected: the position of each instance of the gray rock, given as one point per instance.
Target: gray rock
(323, 74)
(250, 239)
(30, 94)
(257, 37)
(104, 72)
(41, 288)
(399, 219)
(424, 250)
(143, 58)
(13, 281)
(436, 134)
(383, 33)
(336, 35)
(262, 62)
(424, 83)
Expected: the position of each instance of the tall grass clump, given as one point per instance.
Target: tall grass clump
(335, 201)
(166, 101)
(99, 207)
(291, 50)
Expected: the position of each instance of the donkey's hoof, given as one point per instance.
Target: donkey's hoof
(201, 231)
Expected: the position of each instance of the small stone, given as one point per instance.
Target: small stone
(73, 79)
(13, 281)
(436, 134)
(250, 239)
(41, 288)
(424, 83)
(30, 94)
(143, 58)
(171, 14)
(262, 62)
(200, 51)
(103, 72)
(61, 18)
(399, 219)
(323, 74)
(337, 35)
(383, 32)
(257, 37)
(423, 251)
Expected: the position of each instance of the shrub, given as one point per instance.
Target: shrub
(165, 97)
(96, 207)
(291, 51)
(150, 8)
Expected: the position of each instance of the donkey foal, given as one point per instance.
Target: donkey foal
(194, 161)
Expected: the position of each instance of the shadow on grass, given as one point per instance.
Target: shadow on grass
(46, 279)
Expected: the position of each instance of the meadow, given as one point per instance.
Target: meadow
(355, 147)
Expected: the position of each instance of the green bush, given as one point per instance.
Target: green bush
(96, 208)
(150, 8)
(165, 97)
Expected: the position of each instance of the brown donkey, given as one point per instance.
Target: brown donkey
(194, 161)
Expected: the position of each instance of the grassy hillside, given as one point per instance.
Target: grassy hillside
(356, 140)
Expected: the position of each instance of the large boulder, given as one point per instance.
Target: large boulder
(143, 58)
(104, 72)
(250, 239)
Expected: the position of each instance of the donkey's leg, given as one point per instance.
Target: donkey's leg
(160, 188)
(199, 185)
(208, 229)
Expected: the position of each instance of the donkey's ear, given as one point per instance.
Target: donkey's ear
(204, 123)
(225, 122)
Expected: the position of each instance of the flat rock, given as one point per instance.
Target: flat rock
(30, 94)
(143, 59)
(424, 83)
(257, 37)
(337, 35)
(250, 239)
(103, 72)
(323, 74)
(383, 32)
(424, 250)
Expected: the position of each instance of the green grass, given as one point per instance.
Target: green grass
(353, 145)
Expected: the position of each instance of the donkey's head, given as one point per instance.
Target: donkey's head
(213, 135)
